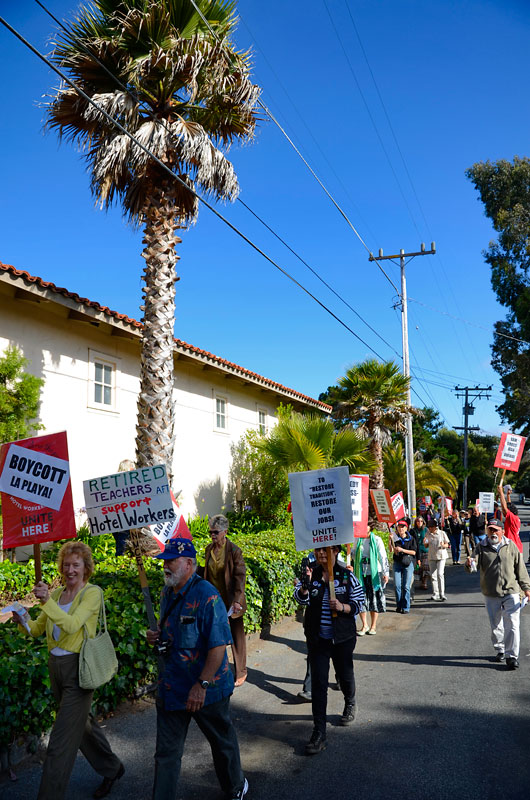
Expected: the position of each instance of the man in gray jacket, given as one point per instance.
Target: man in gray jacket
(503, 576)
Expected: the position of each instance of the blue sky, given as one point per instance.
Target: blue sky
(452, 77)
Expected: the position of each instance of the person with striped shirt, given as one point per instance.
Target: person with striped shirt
(330, 630)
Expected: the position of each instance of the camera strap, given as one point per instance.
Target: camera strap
(175, 600)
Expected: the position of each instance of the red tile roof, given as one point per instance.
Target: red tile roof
(18, 273)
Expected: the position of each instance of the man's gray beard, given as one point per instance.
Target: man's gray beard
(170, 580)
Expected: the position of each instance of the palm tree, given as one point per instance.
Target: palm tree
(187, 92)
(431, 476)
(303, 442)
(373, 397)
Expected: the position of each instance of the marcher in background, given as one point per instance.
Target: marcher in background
(455, 530)
(224, 567)
(512, 523)
(437, 543)
(503, 576)
(194, 676)
(372, 571)
(468, 539)
(419, 531)
(477, 526)
(64, 613)
(404, 551)
(330, 637)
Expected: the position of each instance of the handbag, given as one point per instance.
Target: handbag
(97, 658)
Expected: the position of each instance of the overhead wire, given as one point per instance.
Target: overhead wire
(241, 202)
(175, 177)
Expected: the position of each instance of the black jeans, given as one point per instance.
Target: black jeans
(320, 654)
(171, 728)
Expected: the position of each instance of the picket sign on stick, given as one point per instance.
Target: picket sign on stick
(322, 513)
(130, 501)
(36, 493)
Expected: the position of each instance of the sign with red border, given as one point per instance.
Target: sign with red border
(510, 451)
(359, 504)
(383, 505)
(398, 506)
(25, 522)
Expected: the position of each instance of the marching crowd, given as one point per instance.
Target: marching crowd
(201, 614)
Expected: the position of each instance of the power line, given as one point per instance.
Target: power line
(179, 180)
(245, 205)
(372, 120)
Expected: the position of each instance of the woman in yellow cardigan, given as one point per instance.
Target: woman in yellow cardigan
(64, 612)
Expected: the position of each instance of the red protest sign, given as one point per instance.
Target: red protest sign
(359, 504)
(36, 468)
(383, 505)
(510, 451)
(398, 506)
(175, 528)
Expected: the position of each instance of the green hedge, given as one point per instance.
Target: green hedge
(26, 703)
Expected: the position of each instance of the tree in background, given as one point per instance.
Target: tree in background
(303, 442)
(372, 396)
(189, 93)
(263, 488)
(504, 189)
(431, 476)
(19, 397)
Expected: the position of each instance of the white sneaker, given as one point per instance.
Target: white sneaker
(435, 597)
(240, 793)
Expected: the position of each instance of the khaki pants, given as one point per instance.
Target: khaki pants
(239, 646)
(74, 729)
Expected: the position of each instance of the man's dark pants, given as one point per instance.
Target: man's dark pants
(320, 654)
(171, 729)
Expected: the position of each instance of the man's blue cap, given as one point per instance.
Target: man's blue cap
(178, 548)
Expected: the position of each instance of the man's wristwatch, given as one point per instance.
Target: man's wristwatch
(204, 684)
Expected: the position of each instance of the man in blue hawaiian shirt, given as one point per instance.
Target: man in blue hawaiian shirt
(194, 676)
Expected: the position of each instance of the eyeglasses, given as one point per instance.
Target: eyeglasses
(212, 532)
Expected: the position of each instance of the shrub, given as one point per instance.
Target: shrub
(26, 703)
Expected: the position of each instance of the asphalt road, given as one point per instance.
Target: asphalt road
(437, 718)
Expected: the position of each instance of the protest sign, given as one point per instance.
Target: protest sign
(359, 505)
(398, 506)
(486, 502)
(383, 505)
(321, 506)
(37, 503)
(125, 500)
(510, 451)
(34, 476)
(177, 527)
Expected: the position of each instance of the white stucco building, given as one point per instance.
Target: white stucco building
(89, 357)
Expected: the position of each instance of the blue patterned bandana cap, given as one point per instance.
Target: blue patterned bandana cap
(178, 548)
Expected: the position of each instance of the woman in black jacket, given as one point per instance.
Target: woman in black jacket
(330, 631)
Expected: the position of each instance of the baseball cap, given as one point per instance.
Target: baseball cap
(178, 548)
(494, 523)
(402, 522)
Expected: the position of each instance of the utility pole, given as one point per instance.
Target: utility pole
(409, 443)
(468, 410)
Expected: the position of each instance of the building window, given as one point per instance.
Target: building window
(221, 413)
(103, 383)
(103, 372)
(262, 421)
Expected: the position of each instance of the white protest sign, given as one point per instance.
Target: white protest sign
(34, 476)
(398, 505)
(128, 500)
(321, 507)
(486, 502)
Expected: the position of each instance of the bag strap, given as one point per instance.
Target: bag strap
(102, 617)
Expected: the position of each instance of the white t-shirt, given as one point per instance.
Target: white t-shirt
(58, 651)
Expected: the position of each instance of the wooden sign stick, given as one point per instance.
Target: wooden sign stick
(38, 563)
(134, 542)
(348, 555)
(331, 578)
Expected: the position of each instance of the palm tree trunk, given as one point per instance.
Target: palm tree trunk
(155, 423)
